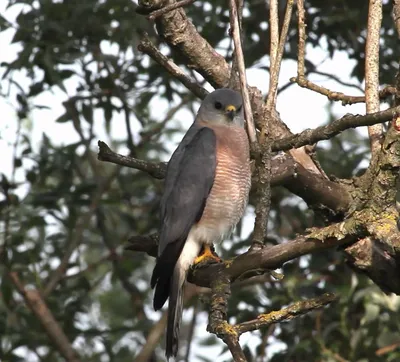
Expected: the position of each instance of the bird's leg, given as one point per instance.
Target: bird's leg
(207, 255)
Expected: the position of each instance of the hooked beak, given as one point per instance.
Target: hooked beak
(230, 111)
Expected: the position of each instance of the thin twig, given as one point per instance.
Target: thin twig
(147, 47)
(156, 170)
(338, 96)
(192, 328)
(372, 71)
(155, 14)
(305, 83)
(273, 87)
(251, 130)
(35, 302)
(336, 79)
(311, 136)
(302, 40)
(285, 314)
(274, 36)
(387, 349)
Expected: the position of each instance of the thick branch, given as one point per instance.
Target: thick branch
(180, 33)
(254, 262)
(376, 259)
(266, 258)
(379, 255)
(315, 190)
(220, 292)
(39, 308)
(295, 310)
(311, 136)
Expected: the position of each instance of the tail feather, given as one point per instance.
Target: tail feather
(163, 273)
(175, 307)
(168, 279)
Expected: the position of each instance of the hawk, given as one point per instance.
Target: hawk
(206, 191)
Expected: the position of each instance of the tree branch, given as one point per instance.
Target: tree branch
(274, 73)
(39, 308)
(179, 32)
(218, 325)
(257, 262)
(396, 15)
(338, 96)
(156, 170)
(372, 72)
(274, 39)
(309, 137)
(295, 310)
(378, 255)
(155, 14)
(147, 47)
(251, 130)
(301, 60)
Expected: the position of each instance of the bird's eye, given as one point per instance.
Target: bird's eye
(218, 105)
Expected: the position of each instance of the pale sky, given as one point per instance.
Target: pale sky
(298, 107)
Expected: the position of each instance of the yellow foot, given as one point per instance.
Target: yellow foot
(207, 255)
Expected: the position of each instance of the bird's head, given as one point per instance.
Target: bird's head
(223, 106)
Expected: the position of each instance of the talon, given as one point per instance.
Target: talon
(207, 255)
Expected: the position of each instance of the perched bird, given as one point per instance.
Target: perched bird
(206, 191)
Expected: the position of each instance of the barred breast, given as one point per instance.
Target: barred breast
(228, 197)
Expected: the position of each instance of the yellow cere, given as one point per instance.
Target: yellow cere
(230, 108)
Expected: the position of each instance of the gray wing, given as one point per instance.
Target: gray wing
(189, 179)
(174, 166)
